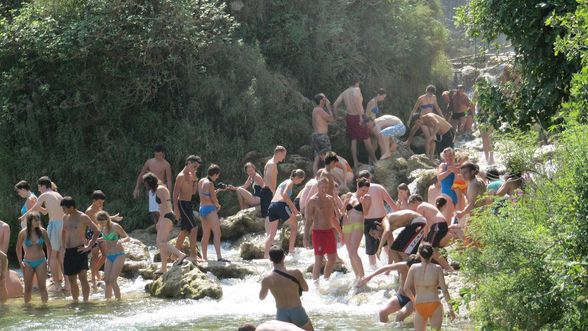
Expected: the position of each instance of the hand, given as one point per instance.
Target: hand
(327, 101)
(22, 218)
(363, 282)
(459, 214)
(117, 217)
(22, 266)
(218, 207)
(136, 193)
(84, 249)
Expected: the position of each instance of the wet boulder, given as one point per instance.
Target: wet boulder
(250, 251)
(244, 222)
(185, 282)
(391, 172)
(421, 180)
(223, 270)
(137, 257)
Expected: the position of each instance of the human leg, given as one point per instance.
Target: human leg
(107, 272)
(392, 307)
(112, 280)
(354, 153)
(293, 233)
(316, 268)
(73, 287)
(28, 283)
(272, 228)
(41, 272)
(83, 276)
(370, 150)
(216, 232)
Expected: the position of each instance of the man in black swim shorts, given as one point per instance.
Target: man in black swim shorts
(185, 188)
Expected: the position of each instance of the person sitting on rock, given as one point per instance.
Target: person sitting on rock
(256, 183)
(286, 285)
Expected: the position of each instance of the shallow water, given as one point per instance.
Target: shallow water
(334, 305)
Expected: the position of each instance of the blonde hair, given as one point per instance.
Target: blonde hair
(104, 216)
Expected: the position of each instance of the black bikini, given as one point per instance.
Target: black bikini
(358, 207)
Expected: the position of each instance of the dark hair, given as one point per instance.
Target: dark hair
(247, 327)
(426, 251)
(22, 185)
(434, 180)
(158, 148)
(355, 80)
(276, 254)
(431, 89)
(492, 173)
(30, 218)
(151, 180)
(471, 167)
(415, 198)
(98, 195)
(297, 173)
(279, 148)
(45, 181)
(193, 158)
(363, 182)
(214, 169)
(364, 174)
(331, 157)
(403, 187)
(318, 98)
(415, 117)
(67, 202)
(412, 259)
(249, 164)
(381, 91)
(440, 202)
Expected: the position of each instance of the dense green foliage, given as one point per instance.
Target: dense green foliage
(545, 74)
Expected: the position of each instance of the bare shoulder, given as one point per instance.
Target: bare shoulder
(85, 218)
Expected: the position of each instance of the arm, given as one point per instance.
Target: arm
(408, 285)
(271, 173)
(358, 100)
(47, 241)
(3, 276)
(472, 194)
(411, 134)
(176, 194)
(381, 270)
(95, 232)
(213, 196)
(309, 220)
(414, 109)
(337, 103)
(436, 107)
(443, 171)
(247, 183)
(31, 202)
(19, 250)
(168, 175)
(37, 206)
(445, 292)
(143, 171)
(121, 233)
(5, 236)
(301, 280)
(264, 289)
(385, 235)
(389, 201)
(367, 203)
(329, 116)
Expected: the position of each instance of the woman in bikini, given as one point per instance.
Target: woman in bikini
(209, 207)
(426, 103)
(403, 194)
(356, 206)
(425, 278)
(23, 189)
(166, 221)
(255, 181)
(32, 239)
(113, 235)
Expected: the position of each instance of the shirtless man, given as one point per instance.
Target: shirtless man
(75, 262)
(356, 129)
(320, 125)
(400, 302)
(51, 200)
(386, 129)
(159, 166)
(476, 189)
(270, 177)
(461, 106)
(408, 239)
(286, 286)
(375, 215)
(186, 186)
(436, 228)
(434, 125)
(331, 173)
(421, 286)
(323, 218)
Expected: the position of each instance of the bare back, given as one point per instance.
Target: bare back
(353, 100)
(426, 281)
(52, 200)
(270, 175)
(284, 290)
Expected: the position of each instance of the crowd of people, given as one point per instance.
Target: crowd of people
(367, 214)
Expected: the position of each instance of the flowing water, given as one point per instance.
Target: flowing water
(334, 305)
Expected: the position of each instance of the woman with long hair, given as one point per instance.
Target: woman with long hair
(209, 207)
(31, 240)
(356, 206)
(113, 235)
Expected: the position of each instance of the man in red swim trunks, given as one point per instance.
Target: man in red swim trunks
(356, 126)
(322, 216)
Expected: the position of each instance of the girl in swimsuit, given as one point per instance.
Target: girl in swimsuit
(113, 235)
(23, 189)
(426, 277)
(356, 206)
(255, 181)
(426, 103)
(31, 240)
(166, 221)
(446, 174)
(209, 207)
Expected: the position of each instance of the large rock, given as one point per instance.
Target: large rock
(137, 257)
(418, 144)
(421, 180)
(391, 172)
(250, 251)
(185, 248)
(419, 161)
(185, 282)
(306, 151)
(293, 162)
(244, 222)
(223, 270)
(148, 236)
(285, 234)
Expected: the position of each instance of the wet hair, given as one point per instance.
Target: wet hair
(158, 148)
(381, 91)
(412, 259)
(431, 89)
(318, 98)
(492, 173)
(440, 202)
(67, 202)
(193, 159)
(98, 195)
(415, 198)
(471, 167)
(22, 185)
(426, 251)
(30, 218)
(104, 216)
(151, 180)
(214, 169)
(45, 181)
(403, 187)
(247, 327)
(365, 174)
(276, 254)
(297, 173)
(331, 157)
(279, 148)
(363, 182)
(249, 164)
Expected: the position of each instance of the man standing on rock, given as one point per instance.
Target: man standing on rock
(461, 106)
(270, 177)
(186, 186)
(286, 286)
(159, 166)
(323, 218)
(356, 128)
(320, 125)
(375, 215)
(75, 262)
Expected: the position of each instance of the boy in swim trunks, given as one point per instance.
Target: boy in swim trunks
(323, 218)
(461, 106)
(320, 124)
(186, 186)
(286, 285)
(75, 262)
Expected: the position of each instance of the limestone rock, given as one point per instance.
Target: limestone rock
(185, 282)
(185, 249)
(306, 151)
(418, 144)
(148, 236)
(131, 269)
(285, 234)
(339, 267)
(137, 257)
(250, 251)
(419, 161)
(244, 222)
(224, 270)
(391, 172)
(421, 180)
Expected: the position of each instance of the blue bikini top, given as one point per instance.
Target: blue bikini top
(28, 242)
